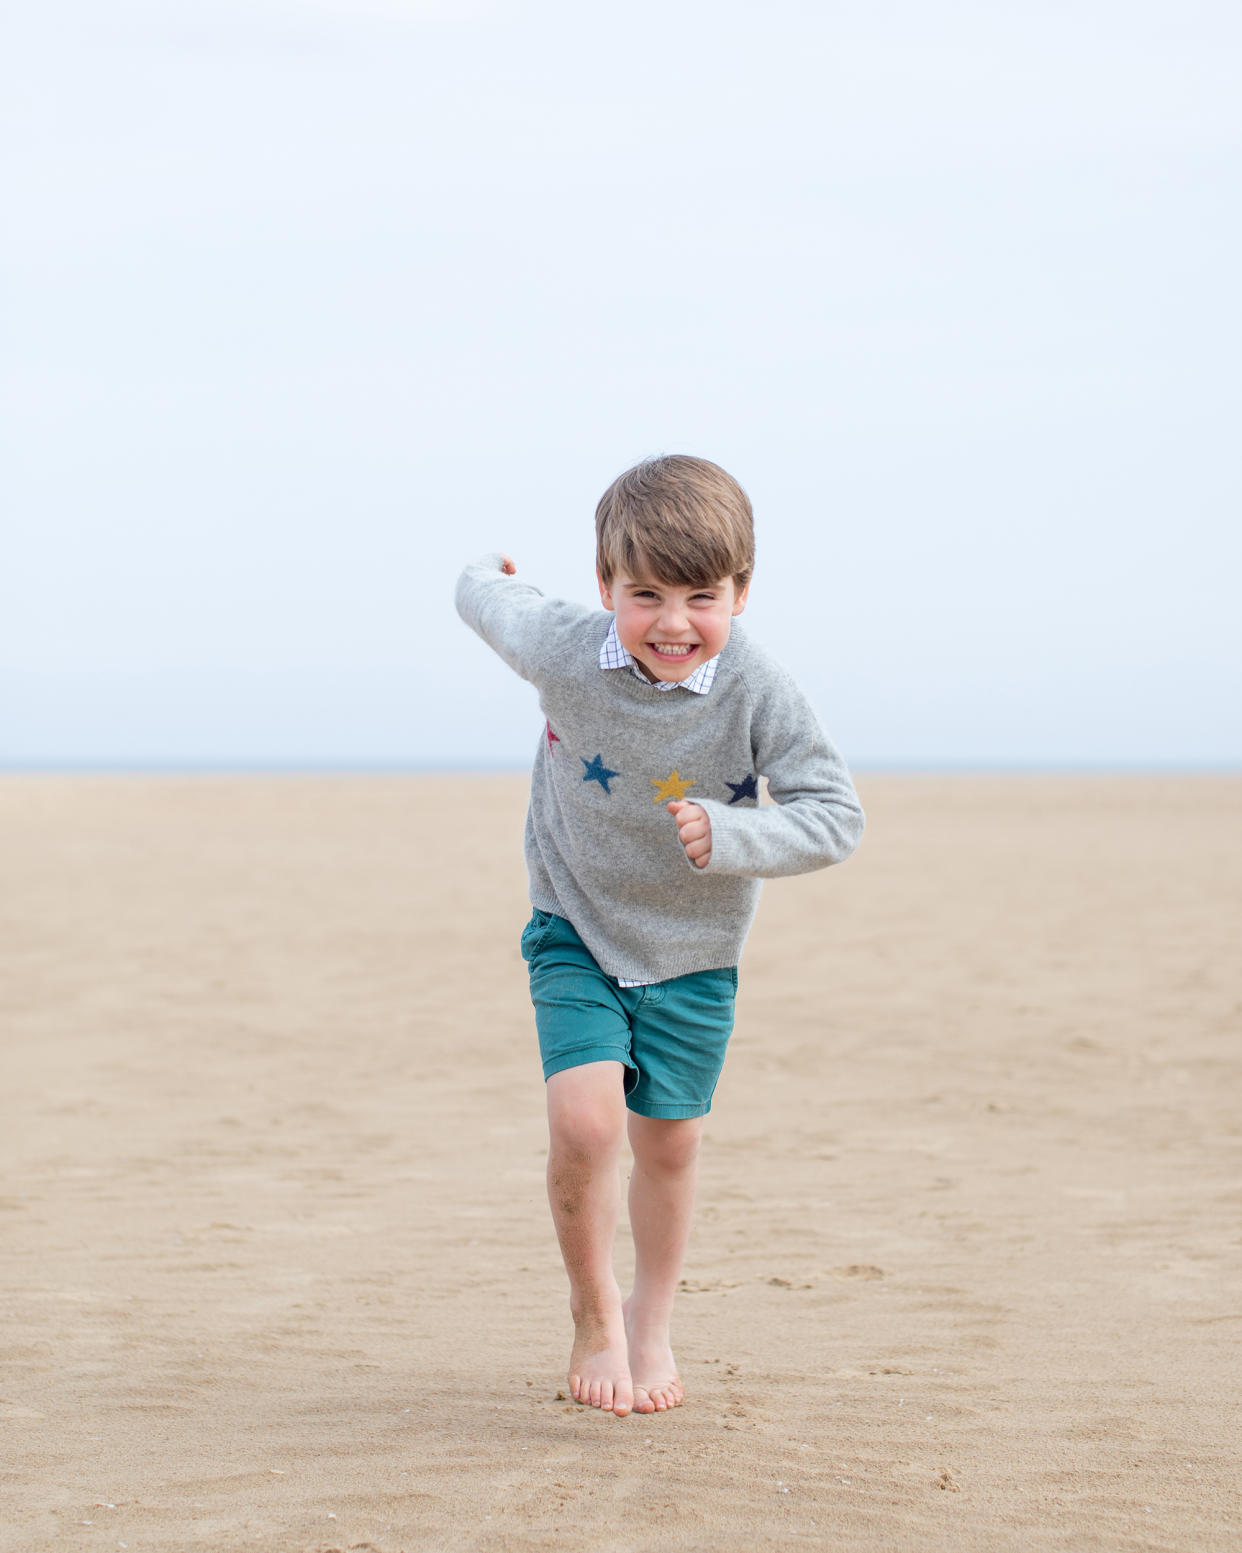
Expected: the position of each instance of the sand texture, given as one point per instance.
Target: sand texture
(277, 1268)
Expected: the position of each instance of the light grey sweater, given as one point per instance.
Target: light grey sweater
(602, 849)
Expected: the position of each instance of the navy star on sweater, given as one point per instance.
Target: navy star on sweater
(744, 789)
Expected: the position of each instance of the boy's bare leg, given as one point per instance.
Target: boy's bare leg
(666, 1155)
(586, 1126)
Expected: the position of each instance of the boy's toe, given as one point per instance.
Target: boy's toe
(657, 1399)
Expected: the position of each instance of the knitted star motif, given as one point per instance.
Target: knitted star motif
(672, 786)
(743, 789)
(553, 738)
(597, 771)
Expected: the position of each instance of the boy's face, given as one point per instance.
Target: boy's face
(668, 630)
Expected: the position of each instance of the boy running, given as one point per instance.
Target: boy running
(645, 844)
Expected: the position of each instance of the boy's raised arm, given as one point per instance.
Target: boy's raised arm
(510, 616)
(538, 637)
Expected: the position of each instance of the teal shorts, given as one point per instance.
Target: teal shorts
(670, 1037)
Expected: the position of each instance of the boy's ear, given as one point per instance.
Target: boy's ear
(605, 590)
(739, 602)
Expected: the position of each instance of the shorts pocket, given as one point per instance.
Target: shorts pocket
(728, 979)
(536, 933)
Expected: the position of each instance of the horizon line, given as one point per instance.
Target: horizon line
(972, 766)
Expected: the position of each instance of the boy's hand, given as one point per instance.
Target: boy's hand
(694, 831)
(507, 566)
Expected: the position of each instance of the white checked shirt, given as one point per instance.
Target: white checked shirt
(613, 656)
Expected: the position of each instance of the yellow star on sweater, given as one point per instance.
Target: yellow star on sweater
(672, 787)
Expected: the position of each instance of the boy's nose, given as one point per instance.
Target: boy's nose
(673, 621)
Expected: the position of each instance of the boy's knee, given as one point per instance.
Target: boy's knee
(586, 1111)
(665, 1145)
(587, 1131)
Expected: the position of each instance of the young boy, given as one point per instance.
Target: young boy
(645, 844)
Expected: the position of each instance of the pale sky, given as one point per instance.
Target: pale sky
(306, 303)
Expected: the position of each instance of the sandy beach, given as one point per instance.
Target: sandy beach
(276, 1267)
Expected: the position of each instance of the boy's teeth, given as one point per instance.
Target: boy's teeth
(666, 647)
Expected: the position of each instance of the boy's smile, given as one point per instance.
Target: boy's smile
(669, 630)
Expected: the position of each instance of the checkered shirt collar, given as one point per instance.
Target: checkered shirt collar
(613, 656)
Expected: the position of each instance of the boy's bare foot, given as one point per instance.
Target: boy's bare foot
(657, 1385)
(599, 1371)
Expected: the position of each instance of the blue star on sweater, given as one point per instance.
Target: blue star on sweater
(597, 771)
(743, 789)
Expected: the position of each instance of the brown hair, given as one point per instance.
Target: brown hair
(680, 520)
